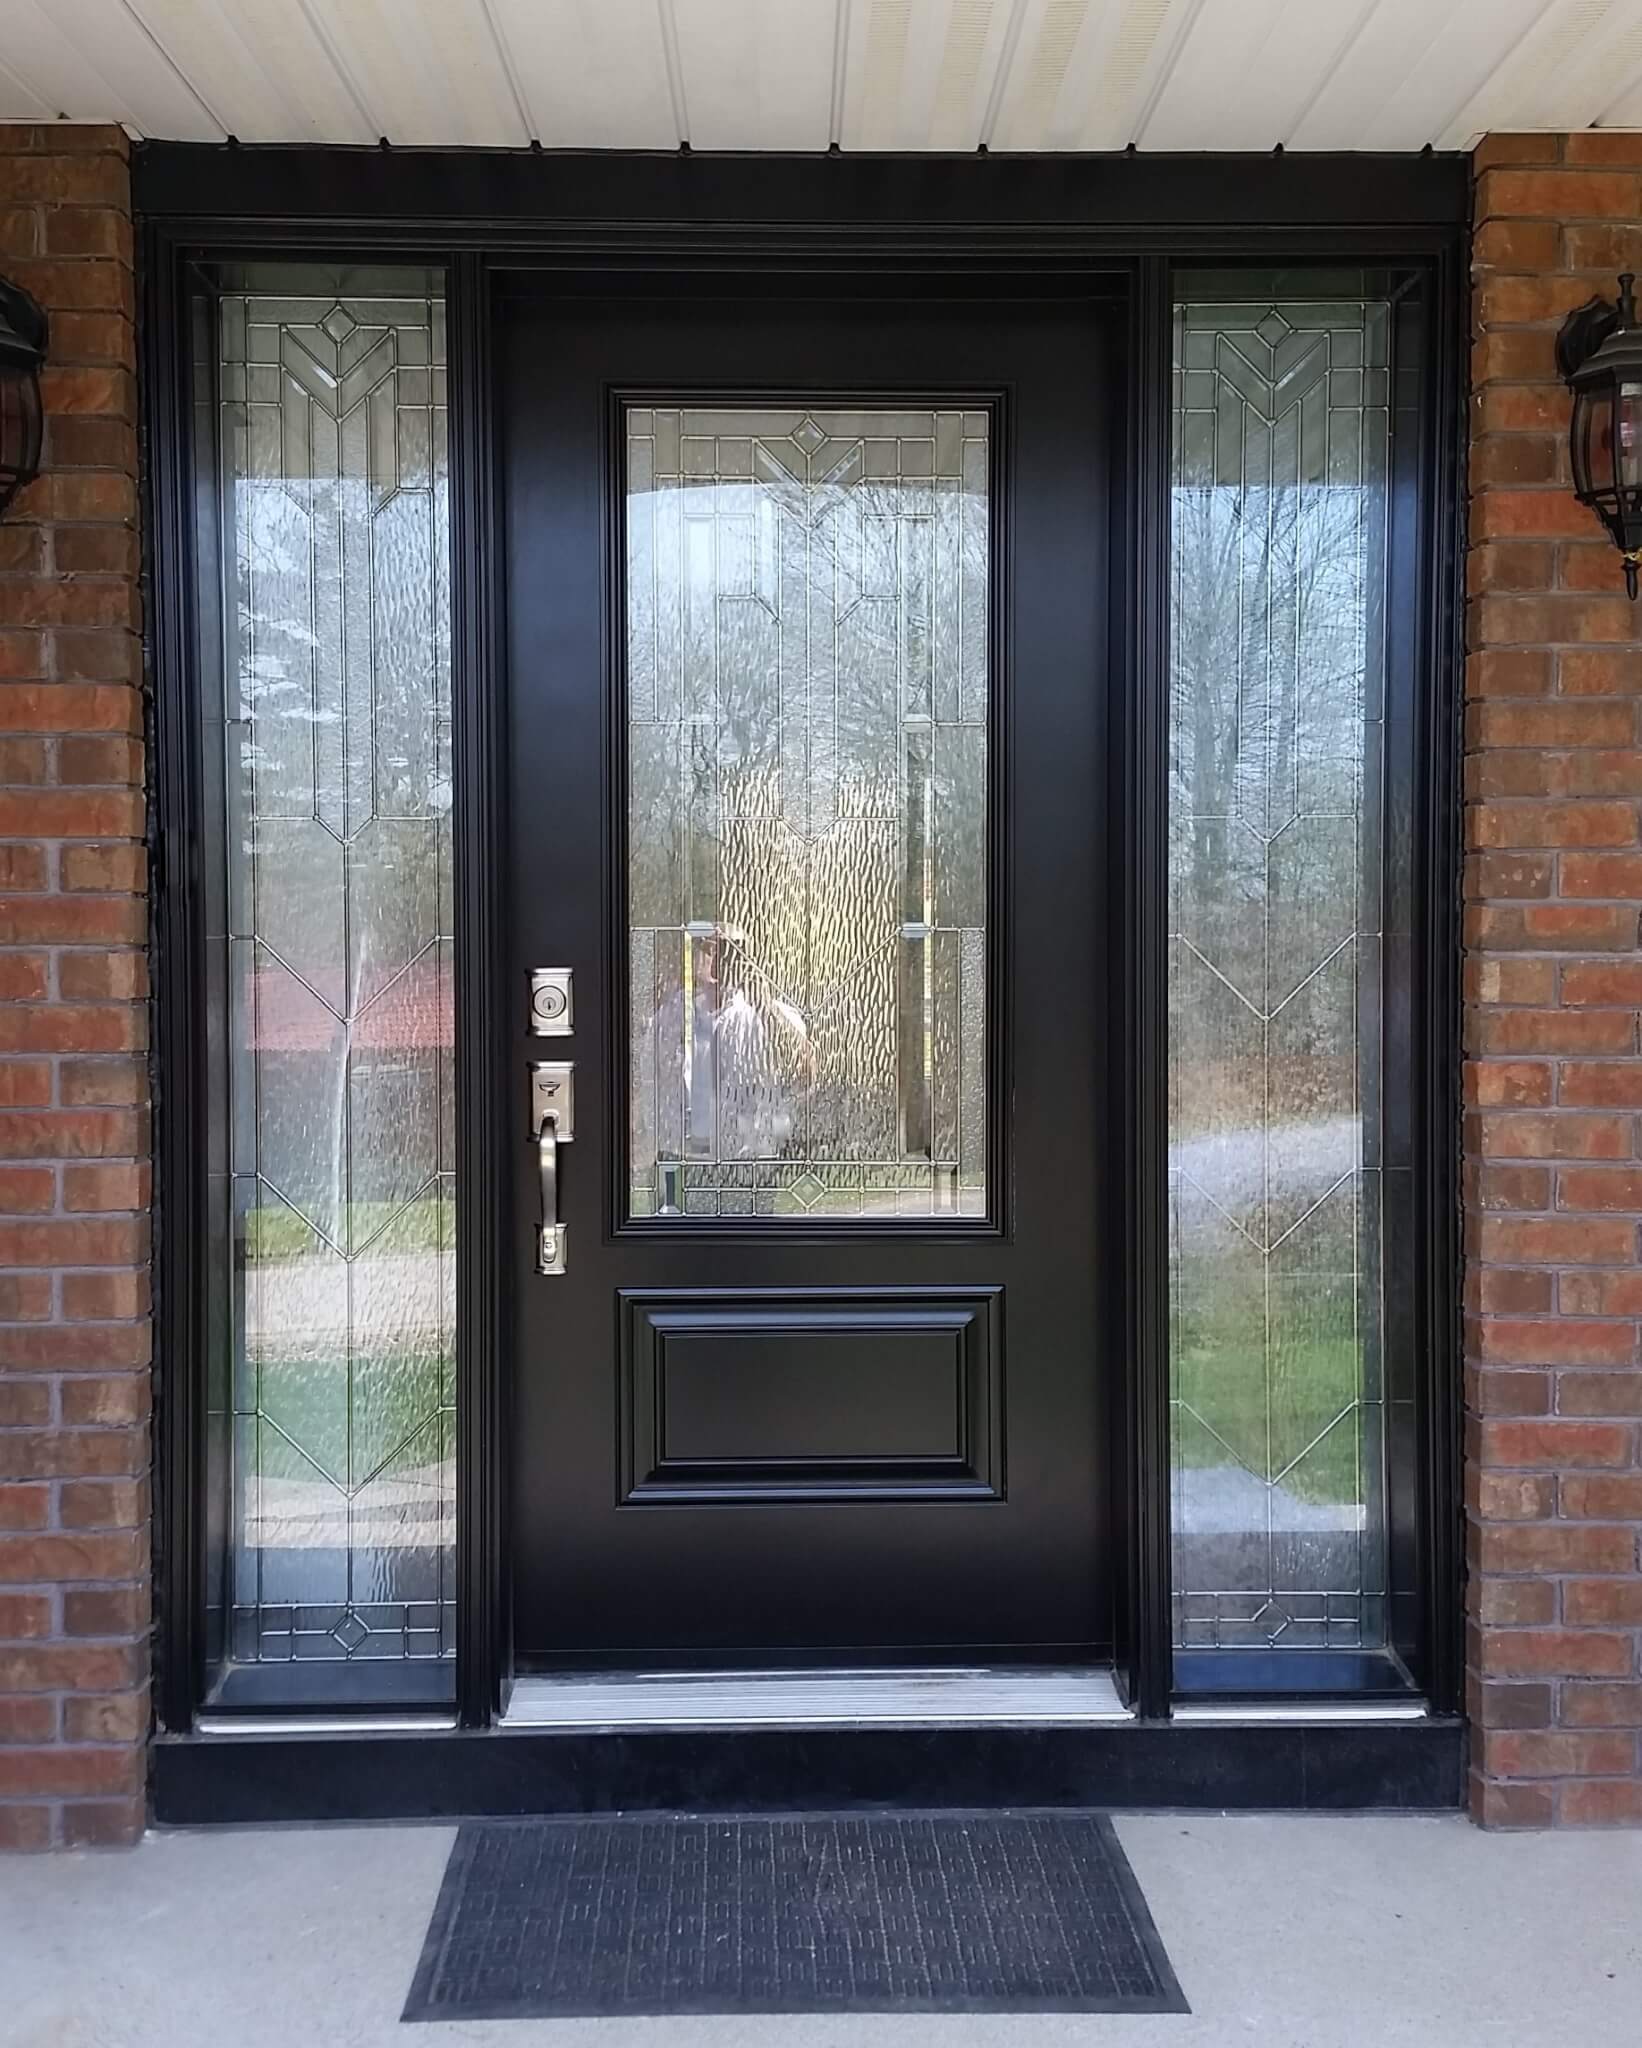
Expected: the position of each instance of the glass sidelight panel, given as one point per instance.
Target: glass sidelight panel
(332, 934)
(807, 715)
(1279, 510)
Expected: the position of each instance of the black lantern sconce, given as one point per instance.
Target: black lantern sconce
(23, 334)
(1599, 352)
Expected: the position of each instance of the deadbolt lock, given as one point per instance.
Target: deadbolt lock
(551, 1008)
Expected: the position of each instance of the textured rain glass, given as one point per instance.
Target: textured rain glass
(1279, 504)
(807, 734)
(335, 540)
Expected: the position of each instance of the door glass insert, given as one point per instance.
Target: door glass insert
(336, 1412)
(807, 594)
(1276, 1186)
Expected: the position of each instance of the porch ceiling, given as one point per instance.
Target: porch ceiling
(800, 74)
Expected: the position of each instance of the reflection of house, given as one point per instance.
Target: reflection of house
(380, 1085)
(414, 1015)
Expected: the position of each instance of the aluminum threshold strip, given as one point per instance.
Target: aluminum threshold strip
(324, 1724)
(816, 1699)
(1301, 1713)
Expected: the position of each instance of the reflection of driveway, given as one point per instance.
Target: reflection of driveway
(1291, 1166)
(407, 1508)
(1215, 1500)
(405, 1297)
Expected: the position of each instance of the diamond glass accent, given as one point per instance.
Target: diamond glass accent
(807, 593)
(1279, 509)
(335, 545)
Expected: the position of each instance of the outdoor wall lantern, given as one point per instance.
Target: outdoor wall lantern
(23, 334)
(1599, 352)
(22, 351)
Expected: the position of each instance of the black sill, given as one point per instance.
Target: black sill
(1389, 1766)
(1270, 1675)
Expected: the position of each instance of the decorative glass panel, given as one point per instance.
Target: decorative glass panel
(1279, 507)
(335, 544)
(807, 740)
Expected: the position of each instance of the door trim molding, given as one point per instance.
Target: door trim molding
(488, 214)
(479, 796)
(528, 198)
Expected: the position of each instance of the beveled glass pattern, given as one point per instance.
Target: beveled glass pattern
(337, 726)
(1279, 504)
(807, 594)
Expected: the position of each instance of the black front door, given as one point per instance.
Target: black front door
(806, 691)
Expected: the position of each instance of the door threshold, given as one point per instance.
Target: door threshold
(914, 1697)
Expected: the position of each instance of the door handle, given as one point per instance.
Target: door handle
(550, 1232)
(551, 1112)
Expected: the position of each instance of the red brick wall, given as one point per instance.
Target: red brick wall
(74, 1176)
(1554, 997)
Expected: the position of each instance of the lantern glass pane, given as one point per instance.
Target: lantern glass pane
(1628, 440)
(20, 428)
(1591, 444)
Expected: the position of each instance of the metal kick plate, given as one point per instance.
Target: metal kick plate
(552, 998)
(552, 1094)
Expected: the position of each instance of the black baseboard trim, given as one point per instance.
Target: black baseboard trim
(1396, 1766)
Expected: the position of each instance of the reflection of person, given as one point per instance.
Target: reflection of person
(744, 1054)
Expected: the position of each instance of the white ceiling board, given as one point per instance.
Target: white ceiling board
(919, 74)
(1040, 47)
(20, 101)
(1477, 39)
(258, 65)
(90, 60)
(430, 71)
(747, 83)
(1369, 75)
(1625, 110)
(1533, 70)
(1246, 69)
(593, 73)
(1581, 56)
(1114, 71)
(1196, 75)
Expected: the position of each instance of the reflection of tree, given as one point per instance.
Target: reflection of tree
(343, 796)
(1270, 654)
(1273, 625)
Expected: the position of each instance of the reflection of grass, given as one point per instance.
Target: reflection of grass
(275, 1232)
(318, 1403)
(1301, 1380)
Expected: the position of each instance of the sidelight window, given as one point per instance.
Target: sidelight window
(321, 411)
(1286, 1002)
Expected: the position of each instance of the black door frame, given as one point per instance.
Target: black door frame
(1130, 218)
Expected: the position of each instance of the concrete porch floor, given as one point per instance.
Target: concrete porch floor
(1289, 1932)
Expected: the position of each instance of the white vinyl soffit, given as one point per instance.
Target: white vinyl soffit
(802, 75)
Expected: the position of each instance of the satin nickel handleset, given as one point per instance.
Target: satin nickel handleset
(552, 1110)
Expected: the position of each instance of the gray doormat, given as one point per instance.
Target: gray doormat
(940, 1912)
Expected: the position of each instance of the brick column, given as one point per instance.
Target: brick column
(74, 1175)
(1554, 992)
